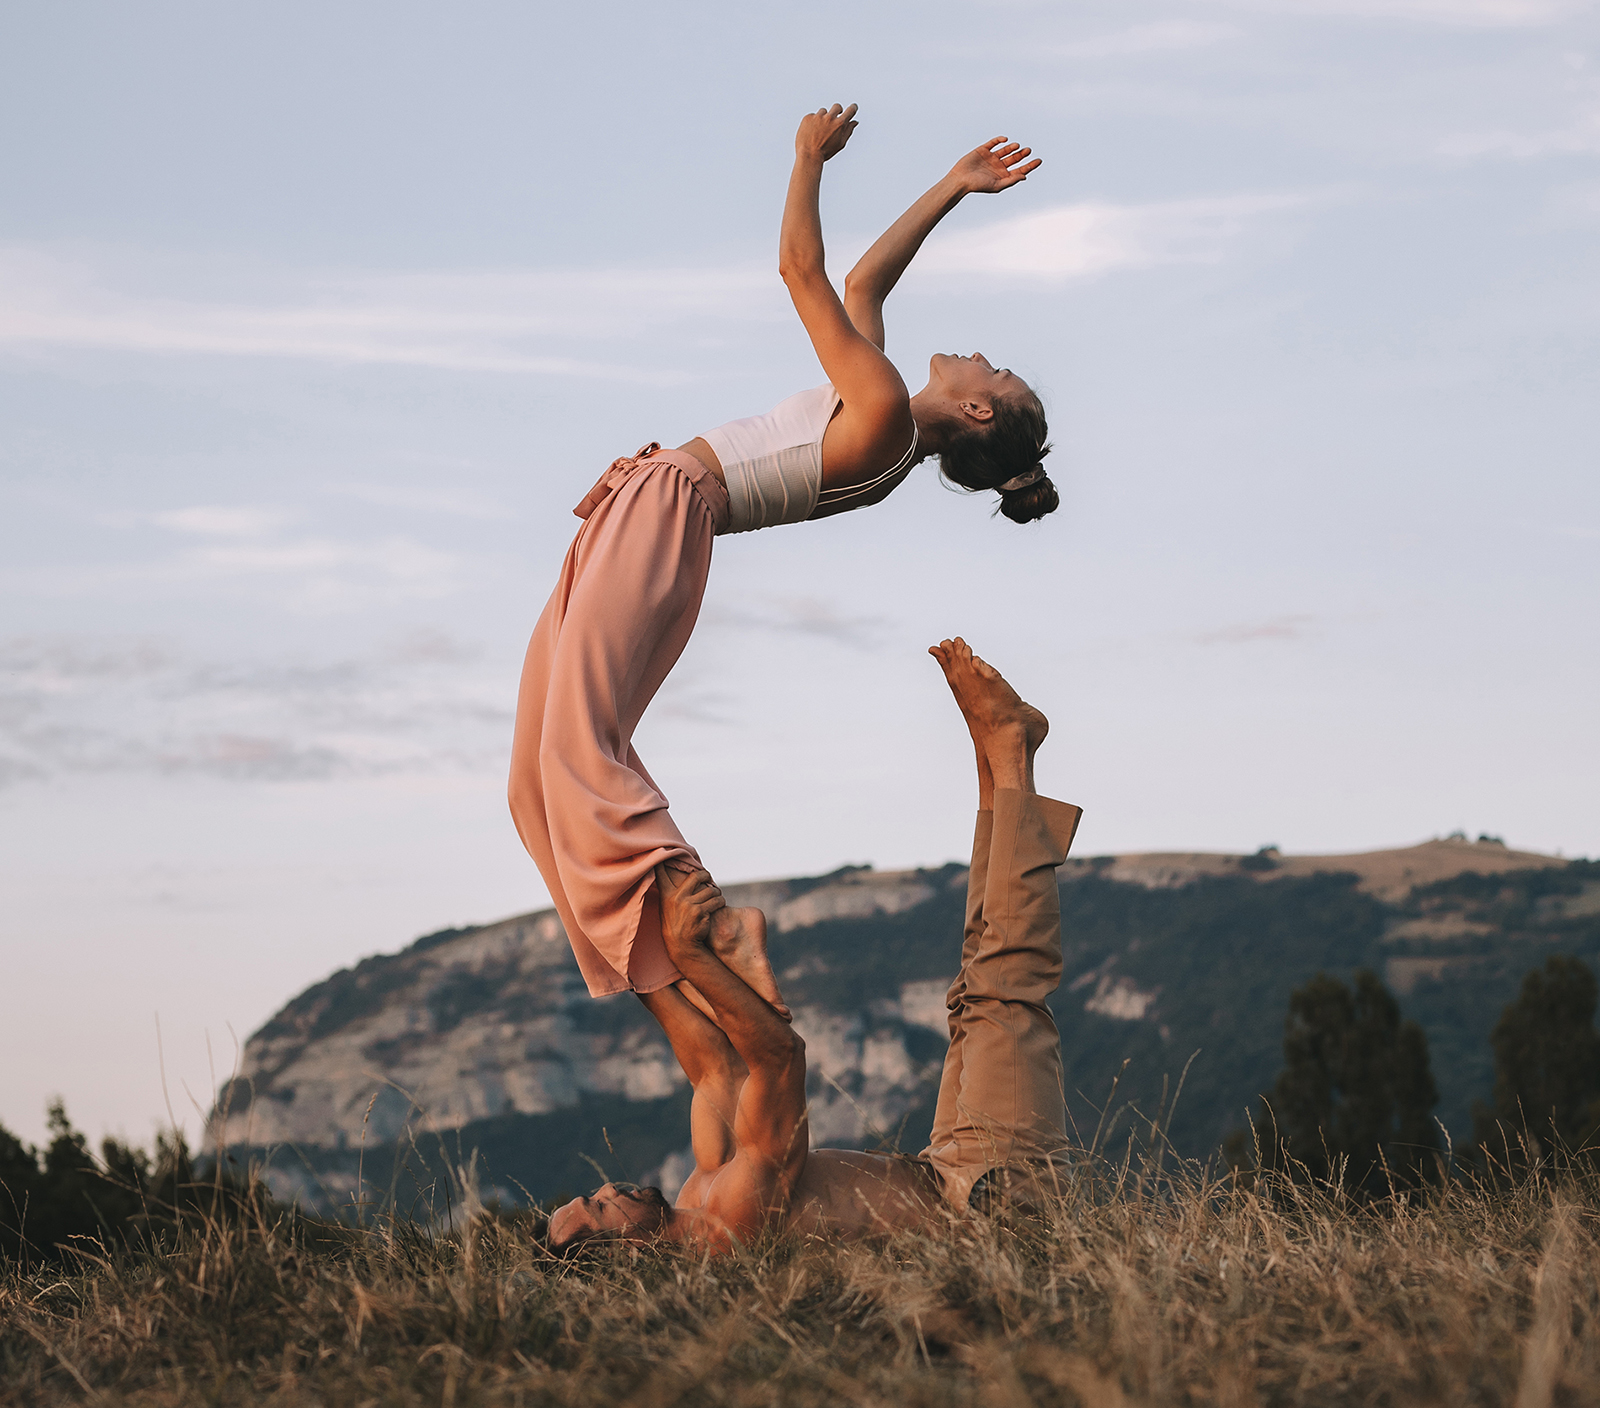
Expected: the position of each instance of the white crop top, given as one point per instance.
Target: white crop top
(773, 463)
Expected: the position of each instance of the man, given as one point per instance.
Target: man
(1001, 1115)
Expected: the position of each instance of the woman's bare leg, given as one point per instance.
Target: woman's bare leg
(715, 1070)
(739, 939)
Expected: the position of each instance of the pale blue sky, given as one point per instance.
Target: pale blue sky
(316, 320)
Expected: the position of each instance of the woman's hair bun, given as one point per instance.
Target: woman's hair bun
(1010, 448)
(1031, 501)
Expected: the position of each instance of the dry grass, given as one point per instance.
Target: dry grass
(1183, 1292)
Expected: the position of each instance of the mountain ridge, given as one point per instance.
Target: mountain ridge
(479, 1032)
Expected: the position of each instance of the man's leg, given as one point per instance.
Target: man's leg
(944, 1117)
(945, 1112)
(1001, 1103)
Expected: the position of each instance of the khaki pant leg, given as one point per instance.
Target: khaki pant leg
(944, 1117)
(1010, 1108)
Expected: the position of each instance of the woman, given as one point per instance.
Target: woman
(630, 589)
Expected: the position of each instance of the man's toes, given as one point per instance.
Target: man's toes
(947, 667)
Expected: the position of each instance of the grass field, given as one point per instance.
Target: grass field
(1177, 1291)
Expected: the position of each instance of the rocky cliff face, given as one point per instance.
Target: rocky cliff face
(483, 1023)
(486, 1038)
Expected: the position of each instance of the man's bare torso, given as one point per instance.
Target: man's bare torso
(845, 1193)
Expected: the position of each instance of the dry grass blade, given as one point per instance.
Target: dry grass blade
(1138, 1289)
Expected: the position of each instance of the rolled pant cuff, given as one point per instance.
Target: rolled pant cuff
(1050, 824)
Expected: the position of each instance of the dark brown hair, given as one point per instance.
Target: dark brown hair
(1012, 443)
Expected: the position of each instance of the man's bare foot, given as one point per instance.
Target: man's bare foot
(739, 939)
(1006, 729)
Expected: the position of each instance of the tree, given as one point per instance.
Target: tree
(20, 1184)
(52, 1196)
(1356, 1090)
(1546, 1064)
(48, 1196)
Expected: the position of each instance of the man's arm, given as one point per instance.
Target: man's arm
(771, 1134)
(995, 166)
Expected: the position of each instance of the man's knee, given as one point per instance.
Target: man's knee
(1035, 1189)
(1010, 983)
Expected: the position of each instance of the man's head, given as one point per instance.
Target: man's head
(621, 1211)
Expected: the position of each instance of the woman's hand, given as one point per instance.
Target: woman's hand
(824, 132)
(993, 167)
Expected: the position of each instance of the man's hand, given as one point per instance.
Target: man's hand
(824, 132)
(994, 166)
(688, 900)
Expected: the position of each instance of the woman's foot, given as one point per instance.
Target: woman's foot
(739, 939)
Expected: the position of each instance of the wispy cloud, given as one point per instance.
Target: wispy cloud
(1471, 14)
(513, 321)
(1294, 627)
(72, 706)
(559, 322)
(1098, 237)
(687, 698)
(1138, 40)
(802, 616)
(454, 503)
(212, 521)
(325, 569)
(1569, 530)
(1579, 136)
(1577, 203)
(214, 543)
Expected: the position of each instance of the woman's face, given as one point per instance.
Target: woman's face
(973, 378)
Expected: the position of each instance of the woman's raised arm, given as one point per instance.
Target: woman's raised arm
(860, 373)
(995, 166)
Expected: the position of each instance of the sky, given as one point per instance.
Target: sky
(316, 320)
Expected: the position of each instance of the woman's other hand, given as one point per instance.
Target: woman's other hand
(824, 132)
(994, 166)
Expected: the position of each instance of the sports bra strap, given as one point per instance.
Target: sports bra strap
(854, 491)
